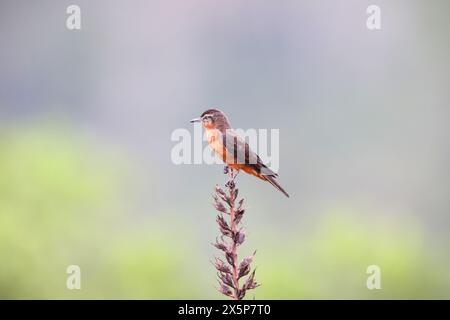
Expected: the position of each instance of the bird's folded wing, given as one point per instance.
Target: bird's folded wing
(239, 150)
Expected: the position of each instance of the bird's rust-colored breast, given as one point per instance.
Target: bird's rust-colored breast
(215, 140)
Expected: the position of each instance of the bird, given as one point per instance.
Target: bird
(233, 149)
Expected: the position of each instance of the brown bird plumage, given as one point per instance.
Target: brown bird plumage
(233, 150)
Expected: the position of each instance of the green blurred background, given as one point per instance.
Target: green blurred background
(86, 176)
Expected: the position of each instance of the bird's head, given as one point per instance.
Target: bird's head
(213, 119)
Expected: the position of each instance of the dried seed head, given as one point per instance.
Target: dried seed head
(222, 195)
(223, 226)
(219, 205)
(251, 283)
(231, 258)
(234, 194)
(226, 279)
(230, 184)
(241, 294)
(221, 246)
(221, 266)
(239, 237)
(219, 190)
(224, 289)
(244, 271)
(230, 271)
(244, 266)
(241, 202)
(238, 215)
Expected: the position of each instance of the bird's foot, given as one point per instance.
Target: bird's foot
(226, 169)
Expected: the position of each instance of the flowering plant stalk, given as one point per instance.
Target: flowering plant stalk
(232, 236)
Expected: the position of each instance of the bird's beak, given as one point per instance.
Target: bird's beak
(196, 120)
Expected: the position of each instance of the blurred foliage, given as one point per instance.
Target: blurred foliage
(331, 262)
(57, 208)
(60, 204)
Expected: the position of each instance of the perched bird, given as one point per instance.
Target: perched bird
(232, 149)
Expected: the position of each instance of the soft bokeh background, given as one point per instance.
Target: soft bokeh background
(85, 124)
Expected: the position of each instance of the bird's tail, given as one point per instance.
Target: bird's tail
(273, 182)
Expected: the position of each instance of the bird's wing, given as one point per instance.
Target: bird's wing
(242, 154)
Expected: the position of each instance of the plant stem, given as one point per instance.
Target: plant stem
(234, 230)
(231, 271)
